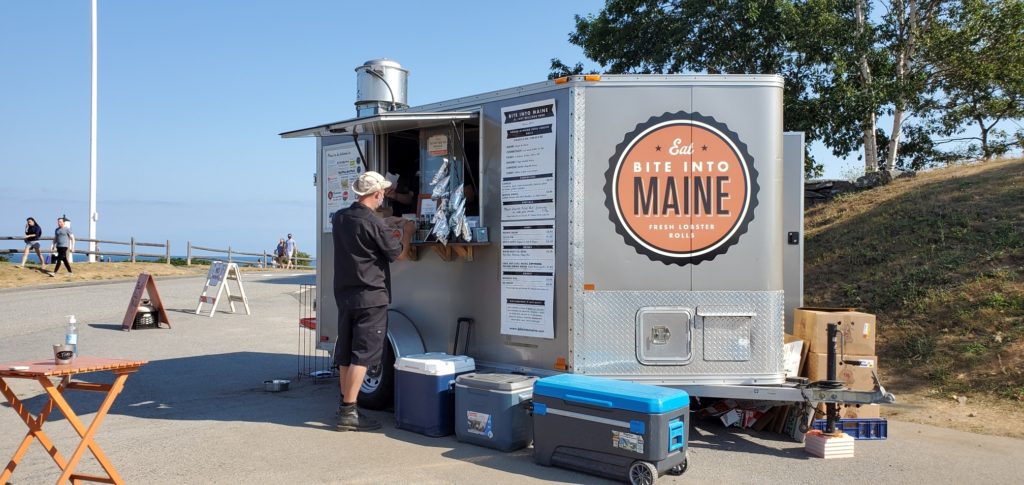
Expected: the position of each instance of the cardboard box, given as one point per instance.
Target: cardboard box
(792, 355)
(852, 411)
(856, 376)
(856, 329)
(860, 411)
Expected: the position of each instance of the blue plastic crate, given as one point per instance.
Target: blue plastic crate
(859, 429)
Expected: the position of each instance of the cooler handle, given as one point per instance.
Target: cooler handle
(589, 400)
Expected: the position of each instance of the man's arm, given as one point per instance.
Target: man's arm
(387, 242)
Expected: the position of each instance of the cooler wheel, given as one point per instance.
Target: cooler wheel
(679, 469)
(642, 473)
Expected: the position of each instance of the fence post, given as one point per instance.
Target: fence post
(168, 246)
(133, 249)
(264, 262)
(229, 254)
(188, 253)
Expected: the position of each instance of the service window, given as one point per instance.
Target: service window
(413, 158)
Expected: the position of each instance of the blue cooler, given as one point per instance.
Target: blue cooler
(620, 430)
(490, 410)
(424, 396)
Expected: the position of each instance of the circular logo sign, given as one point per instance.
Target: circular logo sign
(681, 188)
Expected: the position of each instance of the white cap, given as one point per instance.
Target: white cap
(370, 182)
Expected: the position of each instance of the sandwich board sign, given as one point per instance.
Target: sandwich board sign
(218, 276)
(145, 285)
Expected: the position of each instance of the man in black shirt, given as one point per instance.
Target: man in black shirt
(364, 247)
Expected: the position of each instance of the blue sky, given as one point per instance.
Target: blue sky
(193, 94)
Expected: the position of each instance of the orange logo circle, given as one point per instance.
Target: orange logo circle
(682, 188)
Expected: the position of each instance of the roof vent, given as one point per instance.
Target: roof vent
(381, 85)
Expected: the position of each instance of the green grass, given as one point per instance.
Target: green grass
(940, 260)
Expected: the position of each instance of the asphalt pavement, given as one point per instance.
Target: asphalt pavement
(198, 413)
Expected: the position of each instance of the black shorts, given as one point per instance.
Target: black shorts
(361, 334)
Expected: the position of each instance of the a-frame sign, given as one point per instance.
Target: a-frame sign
(220, 273)
(145, 284)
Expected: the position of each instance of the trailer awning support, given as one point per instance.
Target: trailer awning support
(383, 123)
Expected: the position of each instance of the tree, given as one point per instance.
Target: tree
(845, 62)
(798, 40)
(977, 55)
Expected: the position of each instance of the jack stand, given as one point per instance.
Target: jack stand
(830, 443)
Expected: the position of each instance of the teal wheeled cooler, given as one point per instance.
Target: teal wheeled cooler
(620, 430)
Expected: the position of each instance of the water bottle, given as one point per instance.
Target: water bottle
(71, 338)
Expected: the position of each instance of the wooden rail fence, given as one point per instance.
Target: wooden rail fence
(133, 252)
(132, 244)
(264, 261)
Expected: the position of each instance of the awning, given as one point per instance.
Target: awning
(384, 123)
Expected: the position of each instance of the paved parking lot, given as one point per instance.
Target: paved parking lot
(198, 412)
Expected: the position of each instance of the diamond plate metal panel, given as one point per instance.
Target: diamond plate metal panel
(576, 196)
(727, 338)
(604, 340)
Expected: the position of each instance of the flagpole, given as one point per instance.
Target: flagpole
(93, 216)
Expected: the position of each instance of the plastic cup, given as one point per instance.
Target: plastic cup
(63, 354)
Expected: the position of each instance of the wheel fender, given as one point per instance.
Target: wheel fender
(405, 339)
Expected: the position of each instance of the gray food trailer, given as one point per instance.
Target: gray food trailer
(638, 227)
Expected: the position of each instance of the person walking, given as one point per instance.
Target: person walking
(364, 247)
(32, 234)
(279, 254)
(65, 242)
(289, 246)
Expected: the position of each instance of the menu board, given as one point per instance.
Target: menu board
(528, 278)
(342, 166)
(528, 161)
(528, 219)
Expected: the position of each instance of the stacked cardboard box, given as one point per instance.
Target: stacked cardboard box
(855, 350)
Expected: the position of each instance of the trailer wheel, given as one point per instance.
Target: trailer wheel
(378, 389)
(642, 473)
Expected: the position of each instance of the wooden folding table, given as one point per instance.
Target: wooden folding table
(42, 372)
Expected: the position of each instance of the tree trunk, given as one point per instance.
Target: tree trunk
(986, 154)
(870, 146)
(903, 58)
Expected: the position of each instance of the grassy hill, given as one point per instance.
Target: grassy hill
(939, 258)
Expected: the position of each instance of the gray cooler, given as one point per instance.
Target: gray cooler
(621, 430)
(490, 410)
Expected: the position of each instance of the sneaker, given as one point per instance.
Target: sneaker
(350, 419)
(50, 274)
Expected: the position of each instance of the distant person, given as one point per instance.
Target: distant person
(404, 195)
(32, 234)
(280, 254)
(290, 247)
(64, 240)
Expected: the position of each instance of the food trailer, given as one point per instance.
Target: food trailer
(639, 227)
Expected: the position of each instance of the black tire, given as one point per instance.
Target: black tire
(642, 473)
(680, 468)
(378, 389)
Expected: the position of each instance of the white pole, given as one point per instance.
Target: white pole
(93, 215)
